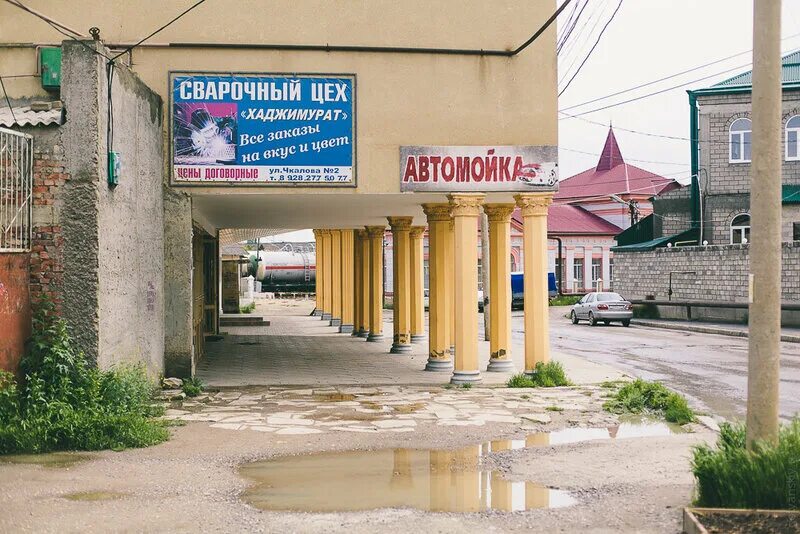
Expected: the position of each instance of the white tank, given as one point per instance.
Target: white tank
(286, 270)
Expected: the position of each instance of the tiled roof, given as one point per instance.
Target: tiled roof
(574, 220)
(790, 73)
(613, 176)
(36, 114)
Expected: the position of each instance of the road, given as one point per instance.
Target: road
(711, 370)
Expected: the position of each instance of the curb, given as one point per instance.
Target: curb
(788, 338)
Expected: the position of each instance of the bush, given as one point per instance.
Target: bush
(547, 375)
(63, 403)
(192, 387)
(249, 308)
(565, 300)
(766, 477)
(641, 396)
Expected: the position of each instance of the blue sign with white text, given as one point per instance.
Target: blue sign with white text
(270, 129)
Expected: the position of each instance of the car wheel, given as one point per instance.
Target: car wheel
(592, 320)
(573, 317)
(626, 322)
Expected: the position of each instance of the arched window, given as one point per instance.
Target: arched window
(740, 134)
(793, 138)
(740, 229)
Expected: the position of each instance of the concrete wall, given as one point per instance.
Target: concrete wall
(673, 212)
(113, 262)
(15, 308)
(178, 261)
(721, 274)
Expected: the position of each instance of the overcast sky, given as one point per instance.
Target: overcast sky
(647, 40)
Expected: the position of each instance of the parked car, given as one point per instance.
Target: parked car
(606, 307)
(518, 288)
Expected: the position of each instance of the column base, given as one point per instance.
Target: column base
(326, 316)
(345, 329)
(465, 377)
(417, 338)
(363, 333)
(400, 348)
(439, 364)
(500, 365)
(317, 312)
(335, 322)
(375, 337)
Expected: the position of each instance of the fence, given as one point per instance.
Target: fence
(16, 185)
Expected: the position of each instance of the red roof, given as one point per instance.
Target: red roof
(613, 176)
(574, 220)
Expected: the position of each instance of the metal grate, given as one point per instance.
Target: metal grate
(16, 185)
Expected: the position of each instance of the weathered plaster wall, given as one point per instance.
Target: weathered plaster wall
(178, 261)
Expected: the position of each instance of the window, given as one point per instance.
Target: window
(740, 136)
(796, 231)
(793, 138)
(597, 271)
(740, 229)
(577, 271)
(513, 264)
(609, 297)
(610, 273)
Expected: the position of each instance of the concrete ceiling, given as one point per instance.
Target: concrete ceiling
(309, 210)
(228, 236)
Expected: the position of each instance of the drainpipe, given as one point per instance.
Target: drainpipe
(695, 164)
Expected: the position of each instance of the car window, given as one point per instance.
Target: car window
(583, 300)
(608, 297)
(590, 298)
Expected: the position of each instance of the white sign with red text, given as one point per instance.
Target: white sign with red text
(478, 168)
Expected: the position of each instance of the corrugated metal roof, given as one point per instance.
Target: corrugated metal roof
(36, 114)
(790, 73)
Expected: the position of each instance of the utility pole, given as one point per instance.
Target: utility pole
(485, 274)
(765, 213)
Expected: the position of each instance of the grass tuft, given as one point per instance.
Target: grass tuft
(554, 409)
(641, 396)
(547, 375)
(192, 387)
(565, 300)
(466, 385)
(766, 477)
(249, 308)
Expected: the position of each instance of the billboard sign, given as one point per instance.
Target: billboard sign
(270, 129)
(478, 168)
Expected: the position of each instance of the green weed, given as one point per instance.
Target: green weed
(192, 386)
(64, 403)
(547, 375)
(249, 308)
(466, 386)
(641, 396)
(766, 477)
(565, 300)
(554, 409)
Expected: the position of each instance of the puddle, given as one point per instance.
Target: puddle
(435, 480)
(53, 459)
(630, 427)
(94, 496)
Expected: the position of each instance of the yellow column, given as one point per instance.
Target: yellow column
(364, 284)
(499, 216)
(439, 300)
(347, 281)
(336, 277)
(450, 284)
(318, 272)
(357, 276)
(417, 301)
(537, 332)
(326, 275)
(502, 489)
(375, 234)
(401, 283)
(465, 208)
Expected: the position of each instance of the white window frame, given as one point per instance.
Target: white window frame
(738, 136)
(578, 271)
(795, 129)
(741, 229)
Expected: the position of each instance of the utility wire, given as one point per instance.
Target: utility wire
(600, 36)
(626, 159)
(596, 16)
(570, 25)
(55, 24)
(8, 101)
(639, 132)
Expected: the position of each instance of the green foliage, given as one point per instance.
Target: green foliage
(641, 396)
(547, 375)
(192, 386)
(766, 477)
(466, 386)
(554, 409)
(565, 300)
(65, 404)
(249, 308)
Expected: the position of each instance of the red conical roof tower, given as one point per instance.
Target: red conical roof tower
(611, 156)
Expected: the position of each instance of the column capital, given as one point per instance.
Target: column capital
(324, 231)
(317, 232)
(375, 231)
(417, 232)
(499, 212)
(400, 223)
(534, 204)
(360, 234)
(437, 212)
(465, 204)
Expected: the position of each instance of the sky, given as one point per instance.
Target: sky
(647, 40)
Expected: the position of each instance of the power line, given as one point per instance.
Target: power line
(570, 26)
(639, 132)
(8, 101)
(626, 159)
(596, 15)
(589, 54)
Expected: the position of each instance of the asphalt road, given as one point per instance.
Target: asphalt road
(711, 370)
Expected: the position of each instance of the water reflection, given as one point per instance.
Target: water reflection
(435, 480)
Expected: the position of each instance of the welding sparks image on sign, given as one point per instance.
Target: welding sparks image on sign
(263, 129)
(478, 168)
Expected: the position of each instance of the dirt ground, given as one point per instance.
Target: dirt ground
(191, 483)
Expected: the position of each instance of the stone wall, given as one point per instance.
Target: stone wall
(720, 274)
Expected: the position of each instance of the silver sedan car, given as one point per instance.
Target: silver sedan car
(605, 307)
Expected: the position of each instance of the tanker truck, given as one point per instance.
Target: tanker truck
(285, 267)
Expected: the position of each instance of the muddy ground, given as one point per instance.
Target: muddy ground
(191, 484)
